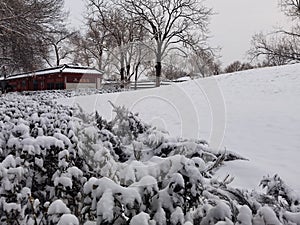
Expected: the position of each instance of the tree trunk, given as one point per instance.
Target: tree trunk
(57, 55)
(100, 60)
(158, 73)
(122, 65)
(128, 68)
(122, 73)
(136, 75)
(158, 63)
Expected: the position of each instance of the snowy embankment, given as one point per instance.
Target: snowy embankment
(255, 113)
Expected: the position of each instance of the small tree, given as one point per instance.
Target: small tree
(86, 51)
(237, 66)
(60, 42)
(121, 33)
(204, 62)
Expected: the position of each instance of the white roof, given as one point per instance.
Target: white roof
(61, 69)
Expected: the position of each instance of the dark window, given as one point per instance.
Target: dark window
(50, 86)
(59, 86)
(23, 83)
(35, 85)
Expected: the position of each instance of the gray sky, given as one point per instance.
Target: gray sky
(237, 21)
(231, 28)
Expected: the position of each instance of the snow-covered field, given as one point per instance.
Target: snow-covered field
(255, 113)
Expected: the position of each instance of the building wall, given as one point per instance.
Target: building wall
(74, 81)
(70, 86)
(80, 78)
(55, 82)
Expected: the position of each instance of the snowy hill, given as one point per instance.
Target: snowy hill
(255, 113)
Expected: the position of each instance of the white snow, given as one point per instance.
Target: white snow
(177, 216)
(294, 217)
(105, 206)
(267, 215)
(64, 181)
(8, 207)
(244, 216)
(75, 172)
(68, 219)
(58, 207)
(255, 113)
(9, 161)
(220, 211)
(140, 219)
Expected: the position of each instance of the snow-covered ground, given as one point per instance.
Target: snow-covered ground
(255, 113)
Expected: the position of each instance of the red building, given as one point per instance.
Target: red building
(61, 77)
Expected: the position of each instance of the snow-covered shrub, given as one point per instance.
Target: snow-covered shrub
(59, 165)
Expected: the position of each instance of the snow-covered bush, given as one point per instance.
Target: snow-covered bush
(59, 165)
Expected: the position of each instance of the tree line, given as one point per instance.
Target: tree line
(128, 38)
(122, 37)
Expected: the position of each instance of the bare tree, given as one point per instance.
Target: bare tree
(174, 66)
(89, 47)
(81, 54)
(169, 23)
(120, 34)
(290, 7)
(140, 61)
(96, 39)
(275, 50)
(238, 66)
(32, 16)
(204, 63)
(281, 46)
(23, 25)
(60, 41)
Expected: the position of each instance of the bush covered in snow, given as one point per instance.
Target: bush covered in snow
(72, 93)
(62, 166)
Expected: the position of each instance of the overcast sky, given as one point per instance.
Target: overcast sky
(231, 28)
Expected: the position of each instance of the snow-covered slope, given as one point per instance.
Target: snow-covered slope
(255, 113)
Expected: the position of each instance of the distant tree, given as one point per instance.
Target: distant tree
(85, 50)
(115, 37)
(174, 67)
(204, 63)
(275, 50)
(140, 61)
(170, 23)
(237, 66)
(216, 68)
(233, 67)
(95, 42)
